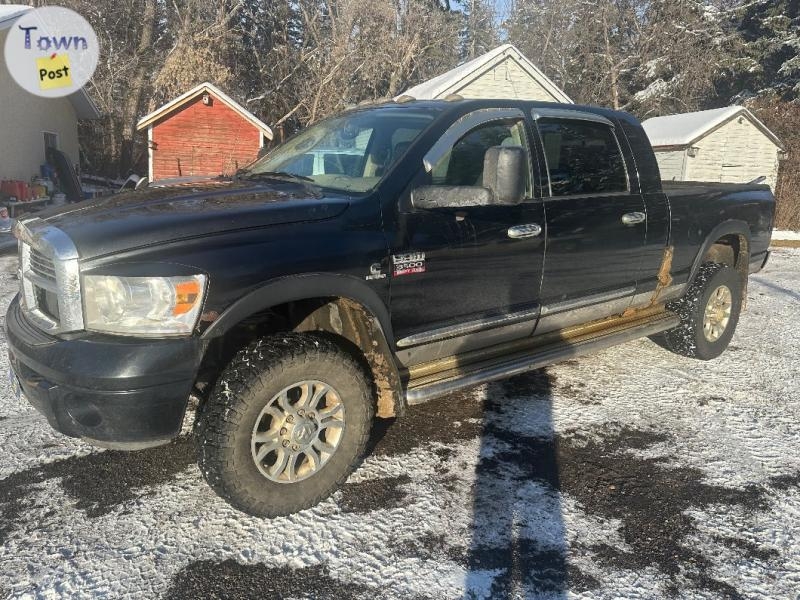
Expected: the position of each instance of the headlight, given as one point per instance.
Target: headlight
(145, 306)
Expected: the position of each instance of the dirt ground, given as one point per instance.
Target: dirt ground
(630, 473)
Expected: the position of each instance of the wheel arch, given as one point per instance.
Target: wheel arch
(341, 305)
(733, 233)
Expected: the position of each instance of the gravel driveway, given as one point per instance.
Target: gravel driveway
(631, 473)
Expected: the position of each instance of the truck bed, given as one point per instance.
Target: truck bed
(698, 188)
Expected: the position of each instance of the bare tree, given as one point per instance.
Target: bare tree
(129, 41)
(347, 54)
(649, 56)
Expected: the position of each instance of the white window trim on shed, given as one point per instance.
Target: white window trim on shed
(210, 88)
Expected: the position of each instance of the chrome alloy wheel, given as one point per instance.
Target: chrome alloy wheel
(298, 431)
(718, 313)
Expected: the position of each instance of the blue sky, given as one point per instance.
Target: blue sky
(501, 6)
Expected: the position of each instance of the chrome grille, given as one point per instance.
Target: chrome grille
(49, 277)
(42, 265)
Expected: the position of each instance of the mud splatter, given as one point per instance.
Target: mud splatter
(648, 497)
(229, 579)
(457, 417)
(784, 482)
(749, 549)
(520, 563)
(98, 482)
(374, 494)
(534, 383)
(706, 400)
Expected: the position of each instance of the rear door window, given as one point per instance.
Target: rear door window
(583, 158)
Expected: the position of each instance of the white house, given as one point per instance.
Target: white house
(728, 145)
(501, 73)
(28, 123)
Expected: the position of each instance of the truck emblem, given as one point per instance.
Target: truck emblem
(408, 264)
(375, 272)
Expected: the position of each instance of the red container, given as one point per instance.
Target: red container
(8, 187)
(19, 189)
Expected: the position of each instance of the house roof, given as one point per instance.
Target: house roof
(456, 78)
(687, 128)
(181, 100)
(11, 12)
(84, 107)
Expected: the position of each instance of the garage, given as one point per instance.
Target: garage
(729, 145)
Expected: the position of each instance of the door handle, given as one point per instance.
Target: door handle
(633, 218)
(528, 230)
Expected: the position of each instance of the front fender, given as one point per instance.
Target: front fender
(355, 313)
(301, 287)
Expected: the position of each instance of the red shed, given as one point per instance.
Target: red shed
(202, 132)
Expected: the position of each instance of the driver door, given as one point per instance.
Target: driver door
(466, 277)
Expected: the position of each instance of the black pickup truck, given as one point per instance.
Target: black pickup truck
(385, 256)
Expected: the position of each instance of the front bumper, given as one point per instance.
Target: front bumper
(120, 392)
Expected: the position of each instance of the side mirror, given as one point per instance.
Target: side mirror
(450, 196)
(504, 173)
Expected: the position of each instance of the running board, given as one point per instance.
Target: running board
(430, 383)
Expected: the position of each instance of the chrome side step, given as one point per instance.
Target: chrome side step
(431, 385)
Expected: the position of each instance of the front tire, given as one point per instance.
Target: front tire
(709, 312)
(287, 422)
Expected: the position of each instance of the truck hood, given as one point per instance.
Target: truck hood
(158, 215)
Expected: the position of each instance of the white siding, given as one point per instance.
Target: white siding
(23, 118)
(670, 163)
(506, 80)
(737, 152)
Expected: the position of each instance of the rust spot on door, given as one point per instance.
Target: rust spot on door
(664, 275)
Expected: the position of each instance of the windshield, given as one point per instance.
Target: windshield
(351, 152)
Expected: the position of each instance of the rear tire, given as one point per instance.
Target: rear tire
(709, 312)
(287, 422)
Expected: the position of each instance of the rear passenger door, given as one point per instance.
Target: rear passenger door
(596, 220)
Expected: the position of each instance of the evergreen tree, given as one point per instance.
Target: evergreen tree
(685, 48)
(770, 30)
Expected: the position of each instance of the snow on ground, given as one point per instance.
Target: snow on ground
(785, 235)
(631, 473)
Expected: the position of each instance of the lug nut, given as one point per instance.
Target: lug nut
(295, 447)
(301, 412)
(290, 419)
(285, 443)
(284, 431)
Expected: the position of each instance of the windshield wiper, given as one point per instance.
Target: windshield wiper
(271, 175)
(302, 180)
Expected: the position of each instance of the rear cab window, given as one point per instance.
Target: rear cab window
(582, 158)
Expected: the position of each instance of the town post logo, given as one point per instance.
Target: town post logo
(51, 51)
